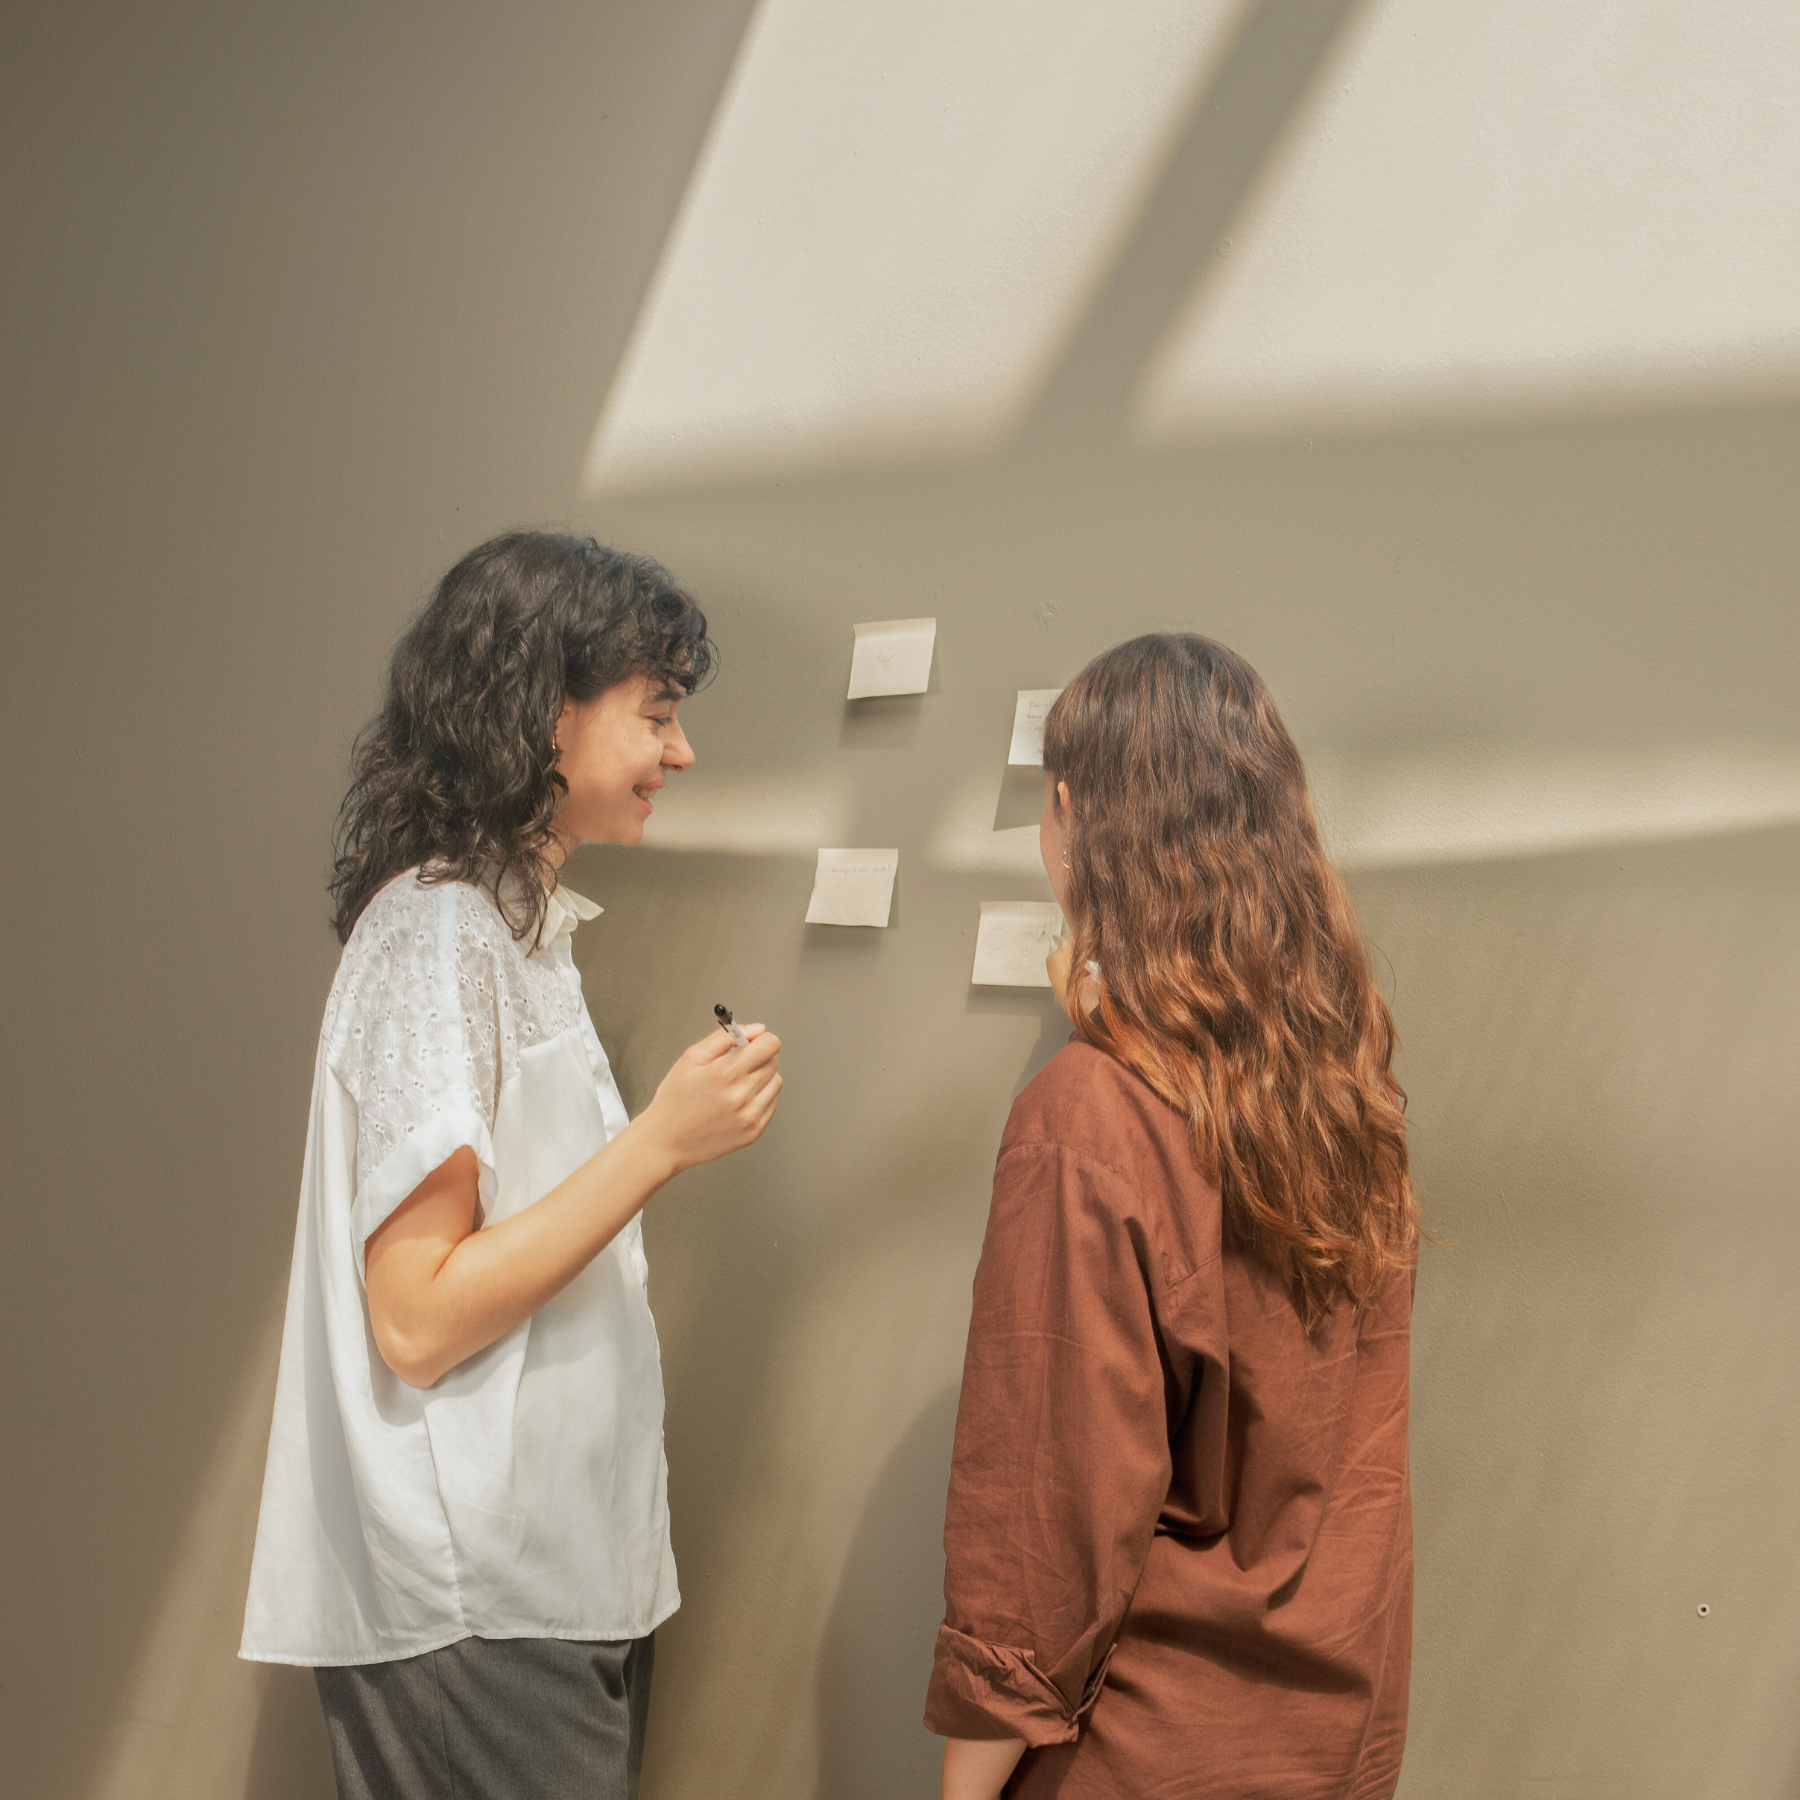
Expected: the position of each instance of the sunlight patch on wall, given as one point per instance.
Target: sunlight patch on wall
(753, 815)
(1522, 802)
(893, 225)
(1462, 806)
(189, 1714)
(1486, 207)
(964, 842)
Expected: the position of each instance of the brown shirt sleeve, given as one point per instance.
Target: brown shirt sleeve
(1062, 1459)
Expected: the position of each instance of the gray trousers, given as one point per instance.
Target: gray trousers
(492, 1719)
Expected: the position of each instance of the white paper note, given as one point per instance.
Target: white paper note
(853, 887)
(892, 656)
(1014, 938)
(1028, 724)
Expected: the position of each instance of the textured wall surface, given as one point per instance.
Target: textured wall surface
(297, 307)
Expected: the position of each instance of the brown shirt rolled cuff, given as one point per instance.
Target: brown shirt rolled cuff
(988, 1691)
(1178, 1534)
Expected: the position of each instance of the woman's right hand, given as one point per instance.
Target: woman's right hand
(440, 1290)
(1058, 963)
(716, 1098)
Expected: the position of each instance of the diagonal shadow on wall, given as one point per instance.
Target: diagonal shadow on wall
(1237, 125)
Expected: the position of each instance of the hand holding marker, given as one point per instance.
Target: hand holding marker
(734, 1032)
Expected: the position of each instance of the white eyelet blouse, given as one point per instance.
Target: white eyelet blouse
(524, 1495)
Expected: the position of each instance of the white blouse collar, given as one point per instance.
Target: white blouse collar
(564, 909)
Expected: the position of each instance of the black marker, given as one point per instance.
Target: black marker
(734, 1032)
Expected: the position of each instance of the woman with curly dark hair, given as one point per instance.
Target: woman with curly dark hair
(1178, 1537)
(464, 1528)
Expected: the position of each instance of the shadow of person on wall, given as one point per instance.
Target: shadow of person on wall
(876, 1655)
(1053, 1023)
(289, 1757)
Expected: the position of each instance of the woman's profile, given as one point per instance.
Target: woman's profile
(1178, 1534)
(464, 1525)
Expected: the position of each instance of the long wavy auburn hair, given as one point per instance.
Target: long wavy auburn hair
(456, 775)
(1233, 975)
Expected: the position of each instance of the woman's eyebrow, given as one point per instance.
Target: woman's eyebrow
(666, 693)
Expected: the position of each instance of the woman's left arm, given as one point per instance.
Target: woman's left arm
(1061, 1466)
(977, 1768)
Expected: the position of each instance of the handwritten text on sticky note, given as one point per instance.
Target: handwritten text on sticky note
(1028, 724)
(892, 657)
(1013, 940)
(853, 887)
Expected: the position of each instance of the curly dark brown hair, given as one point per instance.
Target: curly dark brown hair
(456, 775)
(1233, 975)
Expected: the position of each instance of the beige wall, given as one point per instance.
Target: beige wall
(299, 306)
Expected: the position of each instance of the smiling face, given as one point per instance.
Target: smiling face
(615, 751)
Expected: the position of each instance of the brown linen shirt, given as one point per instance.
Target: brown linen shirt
(1179, 1534)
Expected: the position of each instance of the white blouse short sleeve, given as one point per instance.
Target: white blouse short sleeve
(412, 1031)
(524, 1495)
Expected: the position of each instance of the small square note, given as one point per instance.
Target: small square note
(853, 887)
(892, 657)
(1013, 941)
(1028, 724)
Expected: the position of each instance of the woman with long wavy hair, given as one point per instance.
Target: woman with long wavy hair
(464, 1528)
(1178, 1535)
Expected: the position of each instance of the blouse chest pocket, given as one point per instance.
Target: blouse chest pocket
(548, 1122)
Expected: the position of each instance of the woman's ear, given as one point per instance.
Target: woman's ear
(1062, 796)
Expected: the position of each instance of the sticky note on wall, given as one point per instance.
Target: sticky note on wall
(1014, 938)
(853, 887)
(892, 657)
(1028, 724)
